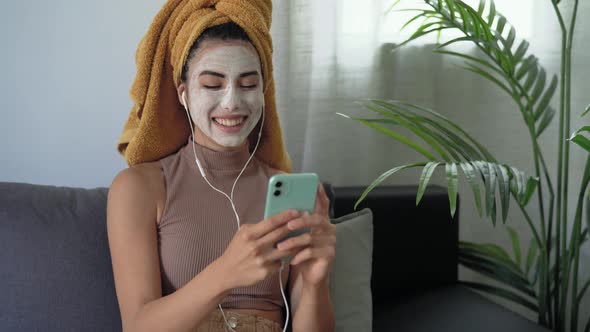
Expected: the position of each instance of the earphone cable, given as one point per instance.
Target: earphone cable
(233, 206)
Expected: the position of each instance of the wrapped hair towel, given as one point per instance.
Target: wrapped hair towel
(157, 125)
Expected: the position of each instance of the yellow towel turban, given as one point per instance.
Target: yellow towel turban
(157, 125)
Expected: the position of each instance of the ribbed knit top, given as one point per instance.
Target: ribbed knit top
(198, 223)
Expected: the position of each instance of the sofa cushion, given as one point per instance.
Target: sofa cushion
(55, 267)
(350, 280)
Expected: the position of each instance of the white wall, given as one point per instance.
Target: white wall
(66, 71)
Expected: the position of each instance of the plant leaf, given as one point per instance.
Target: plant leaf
(471, 58)
(455, 144)
(490, 188)
(583, 291)
(504, 186)
(546, 98)
(531, 255)
(392, 6)
(492, 13)
(469, 172)
(515, 244)
(500, 25)
(497, 272)
(548, 116)
(408, 122)
(452, 181)
(456, 40)
(530, 61)
(492, 252)
(488, 76)
(579, 139)
(398, 137)
(481, 7)
(487, 155)
(518, 182)
(417, 16)
(503, 293)
(521, 50)
(384, 176)
(539, 86)
(510, 40)
(464, 18)
(586, 110)
(531, 78)
(425, 178)
(531, 185)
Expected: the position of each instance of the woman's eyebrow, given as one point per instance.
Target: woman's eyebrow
(255, 73)
(209, 72)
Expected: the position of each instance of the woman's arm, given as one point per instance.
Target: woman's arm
(132, 234)
(310, 268)
(311, 305)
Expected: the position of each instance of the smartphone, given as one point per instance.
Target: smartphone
(291, 191)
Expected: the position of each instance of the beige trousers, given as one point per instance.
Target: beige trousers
(242, 323)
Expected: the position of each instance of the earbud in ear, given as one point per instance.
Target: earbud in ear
(184, 99)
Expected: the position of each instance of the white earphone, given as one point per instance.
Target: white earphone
(192, 132)
(185, 104)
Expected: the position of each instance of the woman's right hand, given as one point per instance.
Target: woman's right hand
(251, 255)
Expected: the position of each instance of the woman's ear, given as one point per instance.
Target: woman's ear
(180, 90)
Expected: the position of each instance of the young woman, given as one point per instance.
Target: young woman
(189, 248)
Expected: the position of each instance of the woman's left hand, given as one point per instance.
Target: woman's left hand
(318, 247)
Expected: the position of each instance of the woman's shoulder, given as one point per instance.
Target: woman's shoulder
(145, 180)
(270, 171)
(145, 175)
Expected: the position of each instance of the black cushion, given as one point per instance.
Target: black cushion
(413, 247)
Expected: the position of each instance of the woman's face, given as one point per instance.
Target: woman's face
(224, 93)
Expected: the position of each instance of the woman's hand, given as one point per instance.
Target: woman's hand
(317, 248)
(250, 256)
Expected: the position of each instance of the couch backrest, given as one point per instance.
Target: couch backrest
(414, 247)
(55, 267)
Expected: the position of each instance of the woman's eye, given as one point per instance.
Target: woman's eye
(249, 86)
(212, 86)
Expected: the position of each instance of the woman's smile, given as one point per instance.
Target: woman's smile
(230, 126)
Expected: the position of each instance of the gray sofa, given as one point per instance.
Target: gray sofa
(55, 269)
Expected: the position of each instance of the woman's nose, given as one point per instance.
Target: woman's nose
(231, 99)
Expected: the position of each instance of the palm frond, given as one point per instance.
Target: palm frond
(443, 142)
(508, 66)
(515, 239)
(503, 293)
(383, 177)
(493, 261)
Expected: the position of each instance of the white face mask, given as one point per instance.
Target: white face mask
(213, 98)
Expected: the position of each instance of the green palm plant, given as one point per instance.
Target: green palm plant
(546, 279)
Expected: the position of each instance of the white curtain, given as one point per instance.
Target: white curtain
(331, 53)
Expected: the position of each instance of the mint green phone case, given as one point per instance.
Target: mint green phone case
(291, 191)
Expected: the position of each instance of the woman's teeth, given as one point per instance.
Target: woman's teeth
(229, 123)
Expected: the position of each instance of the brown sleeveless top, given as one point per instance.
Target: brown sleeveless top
(198, 222)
